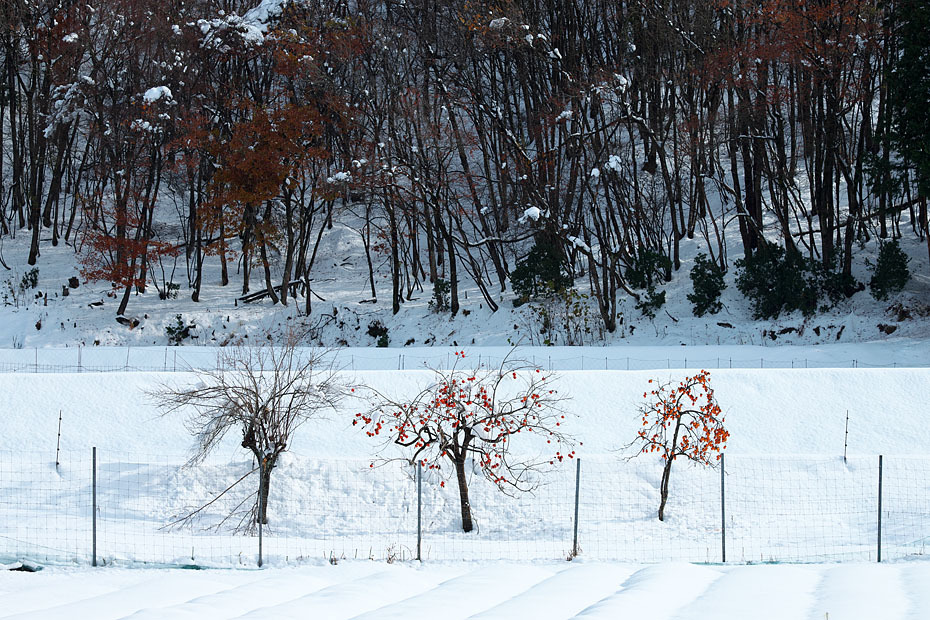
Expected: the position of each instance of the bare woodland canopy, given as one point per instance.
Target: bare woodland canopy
(453, 135)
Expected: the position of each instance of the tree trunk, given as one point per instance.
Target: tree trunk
(667, 471)
(663, 488)
(198, 274)
(265, 468)
(463, 495)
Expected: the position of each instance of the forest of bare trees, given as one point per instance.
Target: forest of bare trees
(455, 137)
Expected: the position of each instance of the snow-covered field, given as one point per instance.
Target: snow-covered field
(541, 591)
(789, 497)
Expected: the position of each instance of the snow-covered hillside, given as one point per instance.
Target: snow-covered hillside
(342, 312)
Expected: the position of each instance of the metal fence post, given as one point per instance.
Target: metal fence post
(93, 561)
(723, 509)
(577, 495)
(419, 510)
(879, 507)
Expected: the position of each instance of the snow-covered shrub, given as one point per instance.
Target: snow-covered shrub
(178, 332)
(379, 331)
(775, 281)
(646, 270)
(539, 274)
(30, 279)
(890, 273)
(708, 284)
(14, 294)
(650, 302)
(440, 301)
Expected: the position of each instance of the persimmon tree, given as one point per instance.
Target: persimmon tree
(477, 413)
(681, 421)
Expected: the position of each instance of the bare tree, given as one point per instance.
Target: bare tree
(266, 393)
(477, 413)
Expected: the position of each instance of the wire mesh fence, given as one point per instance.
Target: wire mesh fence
(184, 359)
(140, 509)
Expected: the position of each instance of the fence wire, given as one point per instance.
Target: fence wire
(46, 508)
(157, 510)
(183, 359)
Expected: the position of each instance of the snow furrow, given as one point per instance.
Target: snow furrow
(861, 591)
(770, 592)
(564, 594)
(159, 590)
(462, 596)
(272, 590)
(349, 599)
(660, 591)
(915, 578)
(23, 593)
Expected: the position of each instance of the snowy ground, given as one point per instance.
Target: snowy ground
(790, 495)
(542, 591)
(43, 317)
(768, 412)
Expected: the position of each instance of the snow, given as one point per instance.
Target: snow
(156, 93)
(327, 502)
(252, 35)
(141, 125)
(798, 393)
(340, 277)
(110, 409)
(785, 385)
(810, 506)
(260, 16)
(545, 591)
(340, 177)
(531, 213)
(578, 242)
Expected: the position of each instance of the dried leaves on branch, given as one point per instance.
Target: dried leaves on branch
(477, 413)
